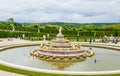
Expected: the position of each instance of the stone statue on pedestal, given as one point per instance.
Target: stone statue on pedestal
(60, 30)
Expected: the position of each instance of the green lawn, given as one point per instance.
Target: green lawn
(2, 46)
(31, 73)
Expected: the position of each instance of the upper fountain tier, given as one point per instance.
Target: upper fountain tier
(60, 38)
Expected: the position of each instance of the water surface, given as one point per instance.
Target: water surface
(105, 60)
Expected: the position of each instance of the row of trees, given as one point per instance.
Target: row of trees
(66, 26)
(69, 29)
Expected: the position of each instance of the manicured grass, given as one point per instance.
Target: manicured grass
(31, 73)
(2, 46)
(24, 72)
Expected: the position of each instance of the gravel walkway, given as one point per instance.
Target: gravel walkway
(5, 73)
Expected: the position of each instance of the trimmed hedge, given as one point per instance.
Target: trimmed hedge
(52, 33)
(6, 34)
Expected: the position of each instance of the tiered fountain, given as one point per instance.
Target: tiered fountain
(61, 49)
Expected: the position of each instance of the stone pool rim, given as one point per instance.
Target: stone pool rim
(60, 72)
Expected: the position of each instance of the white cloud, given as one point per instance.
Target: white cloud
(60, 10)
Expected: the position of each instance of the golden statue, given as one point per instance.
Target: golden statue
(79, 46)
(73, 47)
(41, 45)
(50, 45)
(49, 42)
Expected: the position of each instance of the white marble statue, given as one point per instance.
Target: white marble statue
(60, 30)
(44, 37)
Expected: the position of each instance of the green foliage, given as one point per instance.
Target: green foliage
(52, 26)
(6, 34)
(69, 29)
(32, 73)
(11, 21)
(36, 25)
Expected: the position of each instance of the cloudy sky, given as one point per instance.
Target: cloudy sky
(80, 11)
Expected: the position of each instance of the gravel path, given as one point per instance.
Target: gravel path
(5, 73)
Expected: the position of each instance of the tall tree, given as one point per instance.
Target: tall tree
(11, 23)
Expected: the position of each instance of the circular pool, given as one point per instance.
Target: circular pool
(103, 60)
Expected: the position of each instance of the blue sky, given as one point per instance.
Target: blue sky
(78, 11)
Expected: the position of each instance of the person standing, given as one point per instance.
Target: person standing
(90, 40)
(95, 61)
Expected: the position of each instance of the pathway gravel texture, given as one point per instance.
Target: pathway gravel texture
(5, 73)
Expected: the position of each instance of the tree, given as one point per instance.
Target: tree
(37, 26)
(11, 23)
(52, 26)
